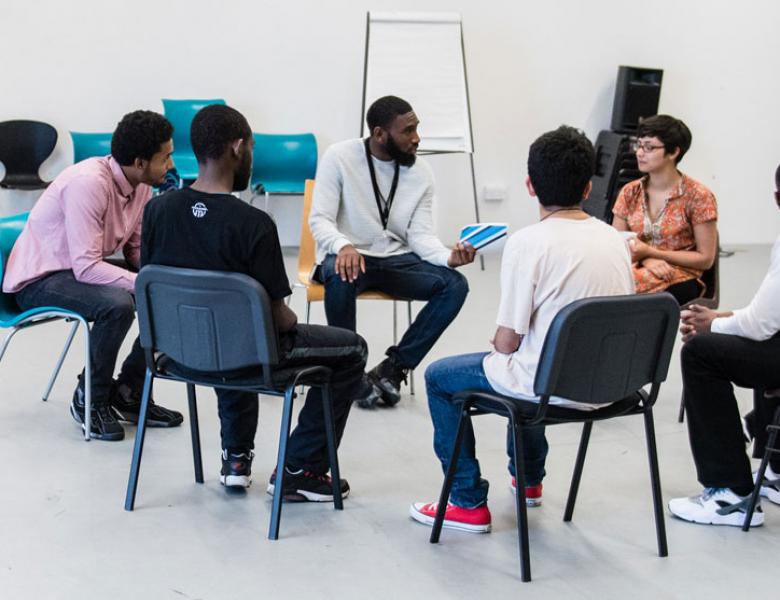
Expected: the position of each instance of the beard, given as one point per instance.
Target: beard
(242, 176)
(405, 159)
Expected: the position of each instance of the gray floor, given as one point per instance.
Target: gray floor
(64, 533)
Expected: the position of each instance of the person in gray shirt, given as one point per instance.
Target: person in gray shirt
(372, 220)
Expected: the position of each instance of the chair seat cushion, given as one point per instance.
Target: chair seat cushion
(250, 377)
(560, 414)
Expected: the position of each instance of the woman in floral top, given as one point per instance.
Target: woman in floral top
(673, 216)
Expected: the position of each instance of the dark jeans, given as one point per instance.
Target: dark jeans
(404, 276)
(711, 362)
(112, 311)
(443, 379)
(341, 350)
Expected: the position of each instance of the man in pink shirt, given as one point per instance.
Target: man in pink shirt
(90, 211)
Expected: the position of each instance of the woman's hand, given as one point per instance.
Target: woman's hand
(659, 268)
(639, 250)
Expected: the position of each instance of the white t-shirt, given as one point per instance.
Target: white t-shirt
(545, 267)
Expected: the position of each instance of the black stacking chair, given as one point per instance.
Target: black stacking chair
(196, 325)
(599, 351)
(770, 449)
(24, 145)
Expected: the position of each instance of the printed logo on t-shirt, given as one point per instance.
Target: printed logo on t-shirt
(199, 210)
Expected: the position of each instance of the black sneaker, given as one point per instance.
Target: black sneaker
(369, 395)
(102, 423)
(127, 404)
(387, 377)
(303, 486)
(236, 469)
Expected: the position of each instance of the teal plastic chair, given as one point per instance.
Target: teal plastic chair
(282, 163)
(87, 145)
(15, 319)
(180, 113)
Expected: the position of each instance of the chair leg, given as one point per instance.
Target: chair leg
(520, 505)
(578, 464)
(395, 323)
(681, 414)
(770, 447)
(308, 311)
(195, 433)
(330, 432)
(58, 366)
(135, 465)
(446, 487)
(7, 341)
(281, 462)
(87, 377)
(655, 481)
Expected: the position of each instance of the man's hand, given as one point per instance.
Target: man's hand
(350, 263)
(697, 319)
(659, 268)
(462, 254)
(639, 250)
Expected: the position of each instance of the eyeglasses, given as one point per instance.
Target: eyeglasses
(645, 147)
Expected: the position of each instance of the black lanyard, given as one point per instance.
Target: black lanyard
(384, 213)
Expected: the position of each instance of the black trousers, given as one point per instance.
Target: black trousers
(711, 364)
(341, 350)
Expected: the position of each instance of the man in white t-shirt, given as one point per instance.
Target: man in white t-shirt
(722, 349)
(372, 219)
(564, 257)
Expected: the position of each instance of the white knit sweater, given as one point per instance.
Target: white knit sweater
(344, 210)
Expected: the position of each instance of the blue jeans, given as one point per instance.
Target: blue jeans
(443, 379)
(404, 276)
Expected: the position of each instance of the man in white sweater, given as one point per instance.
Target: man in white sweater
(372, 220)
(724, 348)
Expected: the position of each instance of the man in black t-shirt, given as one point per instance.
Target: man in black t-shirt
(205, 227)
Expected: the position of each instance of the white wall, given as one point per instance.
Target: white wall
(298, 65)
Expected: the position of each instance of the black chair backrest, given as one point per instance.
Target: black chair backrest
(24, 145)
(205, 320)
(600, 350)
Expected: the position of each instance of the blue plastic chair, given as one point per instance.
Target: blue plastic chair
(13, 318)
(87, 145)
(180, 113)
(282, 163)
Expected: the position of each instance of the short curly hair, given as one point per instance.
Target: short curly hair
(383, 111)
(560, 165)
(139, 135)
(214, 128)
(671, 132)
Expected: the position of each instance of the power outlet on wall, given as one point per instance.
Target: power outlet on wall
(494, 193)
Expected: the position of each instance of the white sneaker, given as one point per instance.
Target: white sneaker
(770, 486)
(716, 506)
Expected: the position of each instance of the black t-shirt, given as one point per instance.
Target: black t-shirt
(218, 232)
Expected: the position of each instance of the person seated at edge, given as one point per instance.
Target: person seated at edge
(673, 215)
(90, 211)
(372, 220)
(205, 227)
(721, 349)
(566, 256)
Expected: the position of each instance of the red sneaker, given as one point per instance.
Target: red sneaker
(474, 520)
(533, 493)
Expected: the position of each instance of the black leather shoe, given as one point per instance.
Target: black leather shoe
(102, 422)
(126, 402)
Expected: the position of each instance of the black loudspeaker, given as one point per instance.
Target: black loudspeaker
(615, 167)
(636, 96)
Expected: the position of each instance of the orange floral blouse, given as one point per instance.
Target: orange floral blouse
(691, 204)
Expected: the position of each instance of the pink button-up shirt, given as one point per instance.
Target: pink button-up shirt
(87, 213)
